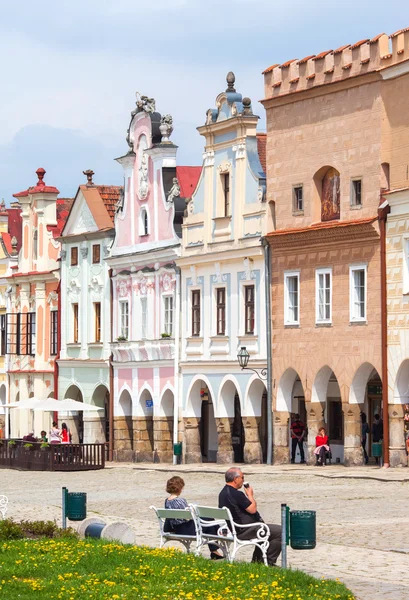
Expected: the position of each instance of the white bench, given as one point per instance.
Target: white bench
(3, 506)
(205, 517)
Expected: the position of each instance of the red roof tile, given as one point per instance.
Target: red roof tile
(40, 186)
(322, 55)
(357, 44)
(288, 63)
(110, 195)
(63, 209)
(398, 32)
(341, 48)
(304, 60)
(324, 225)
(7, 242)
(262, 150)
(187, 178)
(376, 38)
(269, 69)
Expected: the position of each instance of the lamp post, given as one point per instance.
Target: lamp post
(243, 357)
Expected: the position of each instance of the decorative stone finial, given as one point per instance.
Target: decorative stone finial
(230, 78)
(89, 173)
(143, 103)
(166, 127)
(2, 204)
(40, 174)
(247, 106)
(14, 245)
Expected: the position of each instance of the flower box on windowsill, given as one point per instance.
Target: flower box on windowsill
(121, 338)
(165, 335)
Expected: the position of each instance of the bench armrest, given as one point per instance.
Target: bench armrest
(262, 532)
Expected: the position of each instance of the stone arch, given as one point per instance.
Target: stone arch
(256, 388)
(229, 387)
(401, 388)
(96, 425)
(145, 395)
(229, 419)
(255, 421)
(166, 405)
(125, 403)
(326, 410)
(75, 423)
(284, 398)
(193, 397)
(201, 433)
(123, 426)
(143, 426)
(320, 385)
(163, 427)
(357, 391)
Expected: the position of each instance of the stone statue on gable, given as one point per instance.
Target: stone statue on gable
(145, 104)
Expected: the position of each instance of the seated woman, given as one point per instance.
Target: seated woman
(174, 487)
(322, 446)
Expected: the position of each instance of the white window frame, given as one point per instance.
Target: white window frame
(122, 314)
(352, 270)
(288, 320)
(294, 199)
(142, 230)
(167, 312)
(190, 330)
(353, 198)
(405, 266)
(144, 317)
(245, 284)
(318, 274)
(215, 311)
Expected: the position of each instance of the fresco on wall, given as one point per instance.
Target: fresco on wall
(330, 195)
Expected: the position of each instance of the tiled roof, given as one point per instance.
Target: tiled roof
(322, 55)
(321, 226)
(7, 241)
(187, 178)
(341, 48)
(110, 195)
(288, 63)
(63, 209)
(40, 186)
(304, 60)
(357, 44)
(261, 147)
(376, 38)
(269, 69)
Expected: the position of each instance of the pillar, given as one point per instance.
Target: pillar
(123, 442)
(315, 420)
(281, 453)
(143, 438)
(162, 439)
(193, 453)
(397, 451)
(225, 454)
(94, 430)
(353, 453)
(253, 453)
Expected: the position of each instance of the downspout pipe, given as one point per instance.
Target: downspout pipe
(176, 365)
(56, 366)
(111, 375)
(267, 290)
(383, 211)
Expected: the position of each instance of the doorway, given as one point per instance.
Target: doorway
(237, 432)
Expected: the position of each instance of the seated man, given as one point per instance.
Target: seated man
(243, 508)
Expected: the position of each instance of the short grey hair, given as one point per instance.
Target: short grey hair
(231, 474)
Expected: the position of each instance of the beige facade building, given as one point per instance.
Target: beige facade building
(336, 133)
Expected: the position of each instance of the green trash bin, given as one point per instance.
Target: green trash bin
(377, 449)
(303, 529)
(177, 449)
(76, 508)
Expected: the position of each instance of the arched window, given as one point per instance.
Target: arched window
(143, 222)
(330, 195)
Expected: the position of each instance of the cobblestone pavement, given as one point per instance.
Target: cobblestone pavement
(362, 513)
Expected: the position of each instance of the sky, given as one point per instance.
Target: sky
(70, 70)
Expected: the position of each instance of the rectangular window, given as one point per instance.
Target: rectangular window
(75, 323)
(54, 332)
(74, 256)
(356, 192)
(196, 312)
(144, 317)
(298, 198)
(168, 308)
(31, 333)
(124, 319)
(3, 335)
(323, 299)
(249, 308)
(292, 298)
(226, 193)
(358, 293)
(13, 333)
(96, 253)
(221, 311)
(97, 313)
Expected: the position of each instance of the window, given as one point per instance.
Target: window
(54, 332)
(144, 317)
(298, 198)
(74, 256)
(323, 299)
(124, 319)
(31, 333)
(358, 293)
(75, 318)
(356, 192)
(143, 222)
(3, 335)
(97, 314)
(96, 254)
(292, 298)
(221, 311)
(226, 193)
(249, 308)
(330, 195)
(13, 333)
(168, 307)
(196, 312)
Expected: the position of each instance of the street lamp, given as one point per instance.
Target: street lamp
(243, 357)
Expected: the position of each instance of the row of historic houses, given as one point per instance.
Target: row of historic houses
(292, 244)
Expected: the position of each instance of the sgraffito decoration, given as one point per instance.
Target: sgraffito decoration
(330, 195)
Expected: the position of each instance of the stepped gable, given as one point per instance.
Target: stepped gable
(351, 60)
(187, 178)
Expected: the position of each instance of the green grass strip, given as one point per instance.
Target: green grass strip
(70, 569)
